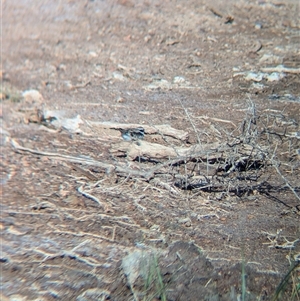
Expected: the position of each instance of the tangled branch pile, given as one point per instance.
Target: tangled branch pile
(243, 163)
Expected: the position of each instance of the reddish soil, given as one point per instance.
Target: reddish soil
(182, 63)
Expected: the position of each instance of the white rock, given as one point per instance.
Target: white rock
(92, 54)
(32, 96)
(257, 77)
(159, 84)
(178, 80)
(275, 76)
(118, 76)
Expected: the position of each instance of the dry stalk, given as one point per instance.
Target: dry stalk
(235, 166)
(90, 196)
(190, 120)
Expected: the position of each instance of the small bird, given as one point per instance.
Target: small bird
(133, 134)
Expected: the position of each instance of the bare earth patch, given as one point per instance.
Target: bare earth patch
(206, 206)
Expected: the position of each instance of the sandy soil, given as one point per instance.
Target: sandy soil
(79, 218)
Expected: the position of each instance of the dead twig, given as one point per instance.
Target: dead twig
(275, 165)
(89, 196)
(190, 120)
(106, 166)
(215, 119)
(281, 68)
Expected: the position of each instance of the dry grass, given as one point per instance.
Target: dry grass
(256, 158)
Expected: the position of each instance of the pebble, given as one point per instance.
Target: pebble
(32, 96)
(258, 25)
(274, 77)
(178, 80)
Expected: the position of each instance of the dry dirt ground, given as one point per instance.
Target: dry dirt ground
(88, 216)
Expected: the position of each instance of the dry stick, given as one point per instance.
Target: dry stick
(166, 186)
(190, 120)
(285, 180)
(18, 147)
(89, 196)
(113, 233)
(281, 68)
(215, 119)
(275, 165)
(148, 174)
(114, 188)
(136, 202)
(81, 234)
(92, 162)
(64, 254)
(90, 262)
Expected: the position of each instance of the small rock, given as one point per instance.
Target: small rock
(275, 76)
(138, 263)
(118, 76)
(159, 84)
(92, 54)
(258, 25)
(62, 67)
(32, 96)
(147, 38)
(58, 120)
(178, 80)
(93, 294)
(120, 99)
